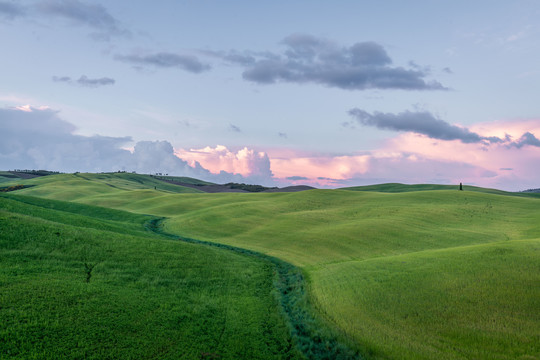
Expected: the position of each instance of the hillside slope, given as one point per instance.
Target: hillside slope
(416, 274)
(85, 282)
(397, 187)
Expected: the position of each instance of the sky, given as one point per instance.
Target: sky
(328, 94)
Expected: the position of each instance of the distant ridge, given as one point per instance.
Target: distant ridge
(195, 185)
(398, 188)
(293, 188)
(230, 187)
(27, 174)
(531, 191)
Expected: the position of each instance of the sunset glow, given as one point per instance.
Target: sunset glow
(286, 98)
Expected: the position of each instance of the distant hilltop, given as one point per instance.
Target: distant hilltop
(27, 174)
(10, 176)
(229, 187)
(531, 191)
(210, 187)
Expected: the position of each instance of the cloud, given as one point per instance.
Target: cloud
(65, 79)
(234, 57)
(158, 157)
(85, 81)
(188, 63)
(413, 158)
(315, 166)
(296, 178)
(88, 14)
(491, 158)
(526, 139)
(378, 166)
(308, 59)
(37, 138)
(427, 124)
(418, 122)
(282, 135)
(10, 10)
(234, 128)
(251, 165)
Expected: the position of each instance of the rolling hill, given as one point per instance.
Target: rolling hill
(80, 281)
(399, 271)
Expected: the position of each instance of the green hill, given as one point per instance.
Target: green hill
(397, 187)
(73, 186)
(85, 282)
(183, 179)
(398, 272)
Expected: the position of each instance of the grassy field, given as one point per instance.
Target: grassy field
(396, 188)
(84, 282)
(6, 177)
(471, 302)
(417, 272)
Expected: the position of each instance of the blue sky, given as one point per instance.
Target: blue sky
(268, 92)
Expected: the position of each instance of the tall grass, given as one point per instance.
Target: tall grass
(472, 302)
(147, 296)
(398, 274)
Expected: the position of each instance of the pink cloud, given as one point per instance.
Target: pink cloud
(514, 128)
(407, 157)
(336, 167)
(513, 168)
(245, 162)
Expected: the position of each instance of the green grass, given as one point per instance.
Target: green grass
(399, 271)
(73, 186)
(6, 177)
(148, 297)
(342, 226)
(397, 188)
(7, 174)
(184, 179)
(472, 302)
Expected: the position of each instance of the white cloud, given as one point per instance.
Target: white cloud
(37, 138)
(254, 166)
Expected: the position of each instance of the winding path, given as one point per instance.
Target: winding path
(312, 338)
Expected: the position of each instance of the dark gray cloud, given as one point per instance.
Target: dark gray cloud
(166, 60)
(235, 57)
(425, 123)
(85, 81)
(296, 178)
(526, 139)
(282, 135)
(308, 59)
(88, 14)
(418, 122)
(234, 128)
(506, 169)
(11, 10)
